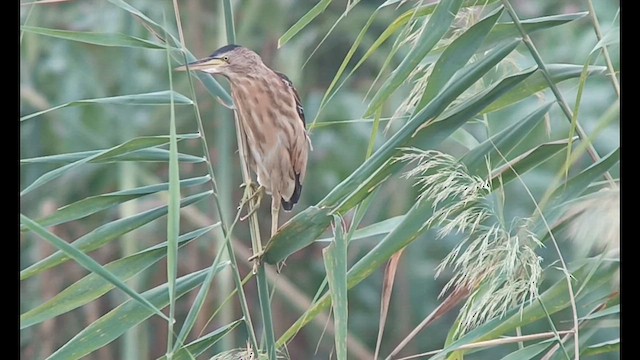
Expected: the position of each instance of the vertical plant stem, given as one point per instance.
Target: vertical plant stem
(133, 346)
(605, 52)
(228, 21)
(556, 92)
(173, 216)
(225, 148)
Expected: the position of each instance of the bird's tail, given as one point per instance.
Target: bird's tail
(288, 205)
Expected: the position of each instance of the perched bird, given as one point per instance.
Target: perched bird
(271, 120)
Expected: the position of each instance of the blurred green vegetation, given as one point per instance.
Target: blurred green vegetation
(56, 71)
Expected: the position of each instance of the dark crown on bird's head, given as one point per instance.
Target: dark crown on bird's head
(224, 49)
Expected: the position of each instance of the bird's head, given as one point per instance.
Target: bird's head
(230, 61)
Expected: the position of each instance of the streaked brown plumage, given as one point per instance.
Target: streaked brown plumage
(271, 120)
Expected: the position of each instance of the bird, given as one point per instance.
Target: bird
(271, 121)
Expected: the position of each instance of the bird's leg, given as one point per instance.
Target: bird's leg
(275, 211)
(251, 192)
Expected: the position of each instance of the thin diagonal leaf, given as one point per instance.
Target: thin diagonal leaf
(529, 352)
(437, 26)
(119, 150)
(537, 83)
(151, 154)
(602, 348)
(203, 343)
(379, 228)
(610, 38)
(94, 204)
(385, 298)
(141, 142)
(613, 310)
(303, 22)
(508, 30)
(88, 263)
(456, 55)
(106, 233)
(173, 215)
(577, 184)
(527, 161)
(116, 322)
(93, 286)
(102, 39)
(503, 142)
(153, 98)
(335, 263)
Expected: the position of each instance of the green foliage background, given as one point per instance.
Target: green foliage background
(108, 52)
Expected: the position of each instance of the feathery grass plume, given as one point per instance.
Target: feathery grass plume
(465, 18)
(420, 76)
(244, 354)
(594, 221)
(497, 264)
(236, 354)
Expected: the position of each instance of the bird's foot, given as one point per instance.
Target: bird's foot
(256, 259)
(280, 266)
(253, 196)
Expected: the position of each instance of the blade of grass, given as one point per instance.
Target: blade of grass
(434, 131)
(438, 24)
(93, 286)
(153, 98)
(94, 204)
(117, 321)
(537, 83)
(88, 263)
(151, 154)
(529, 352)
(199, 301)
(124, 148)
(379, 228)
(303, 22)
(385, 298)
(456, 55)
(335, 263)
(203, 343)
(504, 141)
(106, 233)
(173, 215)
(229, 22)
(527, 161)
(95, 38)
(602, 348)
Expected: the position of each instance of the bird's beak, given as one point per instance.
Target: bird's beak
(210, 65)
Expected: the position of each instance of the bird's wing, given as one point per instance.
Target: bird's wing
(297, 97)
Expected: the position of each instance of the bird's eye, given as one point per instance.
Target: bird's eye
(225, 58)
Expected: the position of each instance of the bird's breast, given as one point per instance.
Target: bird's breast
(274, 133)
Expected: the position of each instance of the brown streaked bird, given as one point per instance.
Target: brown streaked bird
(271, 120)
